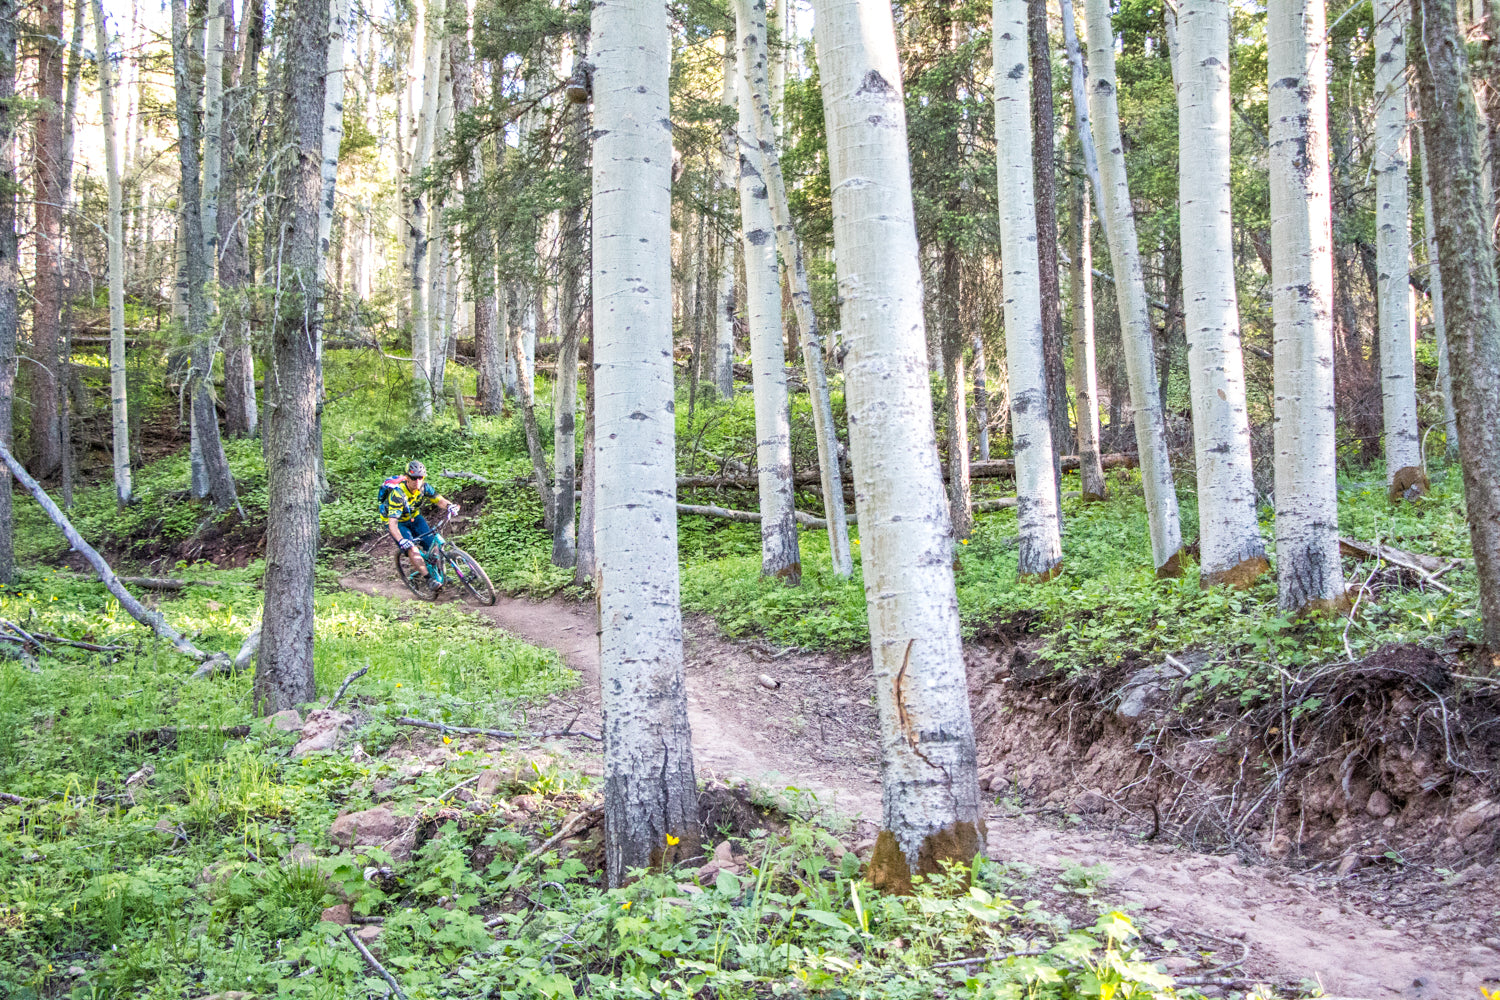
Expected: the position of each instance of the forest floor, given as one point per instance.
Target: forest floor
(814, 734)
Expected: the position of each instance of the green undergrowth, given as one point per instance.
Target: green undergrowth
(167, 845)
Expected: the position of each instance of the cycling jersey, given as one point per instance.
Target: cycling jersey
(401, 502)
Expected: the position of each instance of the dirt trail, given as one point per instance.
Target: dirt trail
(815, 732)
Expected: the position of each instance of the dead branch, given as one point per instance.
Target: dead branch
(170, 584)
(750, 516)
(1424, 566)
(354, 676)
(27, 639)
(498, 734)
(573, 825)
(983, 506)
(138, 611)
(472, 476)
(371, 961)
(242, 659)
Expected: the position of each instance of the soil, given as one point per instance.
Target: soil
(1381, 927)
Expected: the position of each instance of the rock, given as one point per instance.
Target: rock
(369, 933)
(723, 854)
(377, 827)
(1176, 965)
(768, 682)
(321, 731)
(141, 777)
(490, 781)
(1091, 801)
(1149, 688)
(343, 913)
(1379, 805)
(1471, 819)
(76, 970)
(1348, 863)
(166, 827)
(288, 720)
(707, 873)
(526, 803)
(216, 874)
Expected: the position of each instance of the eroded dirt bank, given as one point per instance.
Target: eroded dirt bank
(1073, 785)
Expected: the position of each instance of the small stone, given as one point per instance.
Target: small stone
(490, 781)
(369, 933)
(377, 827)
(1471, 819)
(343, 913)
(723, 854)
(768, 682)
(1176, 965)
(1379, 805)
(1091, 801)
(288, 720)
(1348, 863)
(76, 970)
(320, 731)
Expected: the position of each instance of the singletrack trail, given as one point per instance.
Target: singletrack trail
(815, 734)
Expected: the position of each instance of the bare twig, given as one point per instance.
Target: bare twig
(26, 637)
(472, 476)
(986, 959)
(574, 824)
(499, 734)
(374, 964)
(13, 799)
(354, 676)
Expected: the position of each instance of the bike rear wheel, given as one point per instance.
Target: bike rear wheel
(463, 568)
(417, 586)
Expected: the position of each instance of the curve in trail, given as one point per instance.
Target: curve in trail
(814, 732)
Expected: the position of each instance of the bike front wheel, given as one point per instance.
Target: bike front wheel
(463, 568)
(415, 582)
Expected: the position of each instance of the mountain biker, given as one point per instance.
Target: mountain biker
(400, 502)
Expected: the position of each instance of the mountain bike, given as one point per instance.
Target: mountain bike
(449, 565)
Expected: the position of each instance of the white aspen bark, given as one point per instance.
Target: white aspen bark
(981, 400)
(213, 131)
(1130, 294)
(1231, 550)
(1079, 76)
(780, 552)
(1308, 571)
(749, 17)
(724, 304)
(778, 22)
(930, 791)
(1439, 319)
(422, 150)
(440, 252)
(650, 795)
(1040, 540)
(119, 410)
(118, 406)
(333, 122)
(1398, 349)
(1085, 355)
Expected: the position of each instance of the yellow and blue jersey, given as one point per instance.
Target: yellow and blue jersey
(401, 502)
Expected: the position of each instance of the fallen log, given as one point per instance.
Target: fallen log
(1003, 503)
(1000, 468)
(498, 734)
(165, 738)
(1426, 567)
(475, 477)
(170, 584)
(136, 609)
(750, 516)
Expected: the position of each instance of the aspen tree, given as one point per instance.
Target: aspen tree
(431, 22)
(211, 466)
(1439, 317)
(1308, 571)
(284, 668)
(650, 795)
(213, 132)
(749, 17)
(780, 552)
(1031, 433)
(1085, 361)
(333, 122)
(1130, 294)
(981, 400)
(724, 183)
(930, 791)
(10, 276)
(1471, 292)
(1398, 381)
(1230, 546)
(570, 309)
(119, 411)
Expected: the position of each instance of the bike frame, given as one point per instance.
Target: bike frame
(433, 556)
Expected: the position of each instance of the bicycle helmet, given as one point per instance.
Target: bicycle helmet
(416, 469)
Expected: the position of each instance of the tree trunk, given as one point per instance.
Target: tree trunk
(955, 387)
(119, 410)
(650, 794)
(533, 432)
(213, 133)
(1230, 547)
(981, 400)
(479, 249)
(1025, 338)
(752, 32)
(1130, 294)
(1085, 360)
(284, 669)
(1471, 292)
(47, 223)
(1439, 316)
(1309, 574)
(1044, 172)
(431, 20)
(724, 188)
(241, 416)
(10, 275)
(1404, 475)
(930, 791)
(780, 554)
(570, 317)
(209, 459)
(586, 566)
